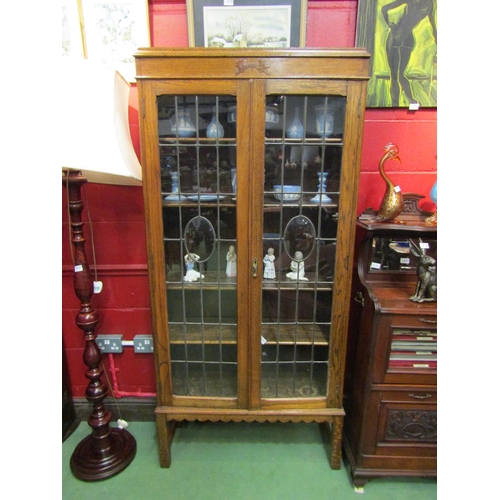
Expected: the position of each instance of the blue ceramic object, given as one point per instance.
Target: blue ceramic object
(182, 124)
(434, 192)
(286, 193)
(324, 120)
(296, 129)
(214, 129)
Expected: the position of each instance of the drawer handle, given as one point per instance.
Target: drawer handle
(359, 298)
(420, 396)
(424, 320)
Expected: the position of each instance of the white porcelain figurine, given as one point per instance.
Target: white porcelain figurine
(297, 268)
(231, 262)
(269, 271)
(191, 274)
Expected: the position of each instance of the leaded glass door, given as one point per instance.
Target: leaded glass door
(301, 197)
(198, 171)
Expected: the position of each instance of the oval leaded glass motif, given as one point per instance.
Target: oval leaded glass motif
(299, 237)
(199, 239)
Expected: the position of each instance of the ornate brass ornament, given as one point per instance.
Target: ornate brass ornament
(392, 202)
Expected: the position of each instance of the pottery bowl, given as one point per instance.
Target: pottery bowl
(286, 193)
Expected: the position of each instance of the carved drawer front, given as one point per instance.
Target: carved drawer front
(407, 418)
(406, 350)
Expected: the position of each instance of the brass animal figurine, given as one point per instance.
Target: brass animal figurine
(426, 289)
(392, 203)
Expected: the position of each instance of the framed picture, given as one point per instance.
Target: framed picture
(72, 41)
(113, 30)
(401, 36)
(247, 23)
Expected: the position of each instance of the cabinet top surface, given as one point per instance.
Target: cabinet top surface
(220, 52)
(217, 63)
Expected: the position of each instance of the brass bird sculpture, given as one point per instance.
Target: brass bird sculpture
(392, 203)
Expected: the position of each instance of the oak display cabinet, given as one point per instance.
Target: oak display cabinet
(391, 373)
(224, 133)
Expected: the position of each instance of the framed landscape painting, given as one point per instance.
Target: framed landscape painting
(245, 23)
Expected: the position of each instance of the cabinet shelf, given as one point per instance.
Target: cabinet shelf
(283, 334)
(311, 141)
(283, 283)
(214, 280)
(194, 141)
(295, 334)
(208, 333)
(269, 205)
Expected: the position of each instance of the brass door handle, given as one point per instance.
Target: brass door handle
(255, 268)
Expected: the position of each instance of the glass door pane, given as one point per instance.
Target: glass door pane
(197, 148)
(303, 156)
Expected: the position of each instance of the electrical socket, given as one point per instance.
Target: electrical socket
(110, 343)
(143, 344)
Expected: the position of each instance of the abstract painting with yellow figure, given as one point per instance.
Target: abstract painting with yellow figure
(401, 35)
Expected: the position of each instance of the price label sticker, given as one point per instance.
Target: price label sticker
(414, 106)
(97, 286)
(228, 2)
(375, 265)
(404, 260)
(397, 189)
(263, 340)
(79, 268)
(424, 246)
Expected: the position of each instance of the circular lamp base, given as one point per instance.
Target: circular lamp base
(88, 465)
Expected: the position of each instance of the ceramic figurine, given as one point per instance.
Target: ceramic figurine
(231, 262)
(392, 203)
(269, 271)
(191, 274)
(297, 268)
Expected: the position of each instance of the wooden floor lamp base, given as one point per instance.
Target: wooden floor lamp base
(89, 465)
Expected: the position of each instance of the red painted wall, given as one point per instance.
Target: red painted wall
(117, 213)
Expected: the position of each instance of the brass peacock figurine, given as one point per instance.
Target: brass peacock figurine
(392, 203)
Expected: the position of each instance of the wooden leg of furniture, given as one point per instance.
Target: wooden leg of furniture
(332, 433)
(336, 440)
(359, 482)
(166, 430)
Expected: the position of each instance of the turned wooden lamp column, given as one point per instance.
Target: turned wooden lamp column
(107, 451)
(96, 147)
